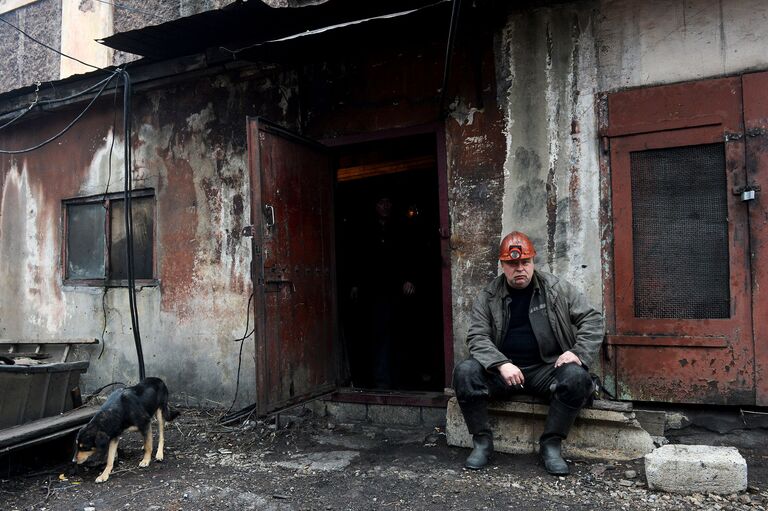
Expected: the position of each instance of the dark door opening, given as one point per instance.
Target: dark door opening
(389, 265)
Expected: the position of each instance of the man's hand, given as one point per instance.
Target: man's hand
(409, 289)
(511, 374)
(567, 358)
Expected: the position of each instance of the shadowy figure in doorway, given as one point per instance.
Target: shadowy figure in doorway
(382, 286)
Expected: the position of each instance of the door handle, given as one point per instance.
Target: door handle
(269, 212)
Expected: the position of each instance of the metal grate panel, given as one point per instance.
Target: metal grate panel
(680, 232)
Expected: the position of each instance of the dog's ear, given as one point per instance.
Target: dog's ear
(102, 440)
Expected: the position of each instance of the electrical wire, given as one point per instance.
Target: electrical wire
(241, 340)
(127, 206)
(104, 203)
(54, 137)
(96, 392)
(38, 102)
(125, 7)
(455, 10)
(46, 46)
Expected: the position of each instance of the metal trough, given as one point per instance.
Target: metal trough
(31, 392)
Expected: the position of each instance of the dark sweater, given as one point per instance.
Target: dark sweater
(520, 345)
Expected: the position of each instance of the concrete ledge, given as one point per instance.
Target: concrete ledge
(692, 469)
(517, 426)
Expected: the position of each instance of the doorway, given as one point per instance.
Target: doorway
(389, 264)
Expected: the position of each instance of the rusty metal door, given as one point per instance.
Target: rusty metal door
(293, 266)
(682, 329)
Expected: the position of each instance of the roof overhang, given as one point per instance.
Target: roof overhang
(246, 24)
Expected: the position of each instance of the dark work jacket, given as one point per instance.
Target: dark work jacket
(561, 318)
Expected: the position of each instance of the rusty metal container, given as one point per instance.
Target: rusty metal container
(31, 392)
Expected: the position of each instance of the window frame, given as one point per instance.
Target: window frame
(106, 199)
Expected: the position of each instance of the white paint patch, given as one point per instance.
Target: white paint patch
(197, 122)
(106, 171)
(461, 114)
(476, 140)
(31, 303)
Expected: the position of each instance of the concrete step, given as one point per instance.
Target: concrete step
(596, 434)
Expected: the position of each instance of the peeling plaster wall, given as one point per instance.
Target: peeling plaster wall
(194, 156)
(551, 187)
(555, 60)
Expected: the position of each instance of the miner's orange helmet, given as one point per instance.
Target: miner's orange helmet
(515, 246)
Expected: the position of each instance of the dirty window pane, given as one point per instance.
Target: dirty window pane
(85, 241)
(680, 232)
(143, 230)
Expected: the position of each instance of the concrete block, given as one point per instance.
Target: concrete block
(433, 417)
(389, 414)
(692, 469)
(346, 412)
(517, 426)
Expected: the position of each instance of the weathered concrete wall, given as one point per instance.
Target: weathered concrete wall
(551, 185)
(556, 59)
(82, 23)
(25, 62)
(664, 41)
(194, 156)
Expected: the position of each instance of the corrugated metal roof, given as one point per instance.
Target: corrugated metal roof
(246, 23)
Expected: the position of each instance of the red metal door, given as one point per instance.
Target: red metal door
(682, 326)
(293, 266)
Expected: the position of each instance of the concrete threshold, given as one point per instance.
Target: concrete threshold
(613, 434)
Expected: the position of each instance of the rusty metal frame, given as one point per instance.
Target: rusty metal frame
(106, 198)
(623, 258)
(755, 103)
(257, 260)
(437, 129)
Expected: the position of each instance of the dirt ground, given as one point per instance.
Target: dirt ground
(311, 464)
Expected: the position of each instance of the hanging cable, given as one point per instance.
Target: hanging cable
(57, 135)
(46, 46)
(241, 340)
(127, 206)
(456, 8)
(39, 102)
(133, 9)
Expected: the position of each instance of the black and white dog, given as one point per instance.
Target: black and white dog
(128, 409)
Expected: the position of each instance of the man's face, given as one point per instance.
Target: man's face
(518, 273)
(384, 207)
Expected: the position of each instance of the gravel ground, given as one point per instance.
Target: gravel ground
(313, 464)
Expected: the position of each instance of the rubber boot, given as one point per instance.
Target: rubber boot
(481, 454)
(558, 423)
(476, 417)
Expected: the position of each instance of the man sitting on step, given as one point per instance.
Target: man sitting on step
(529, 332)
